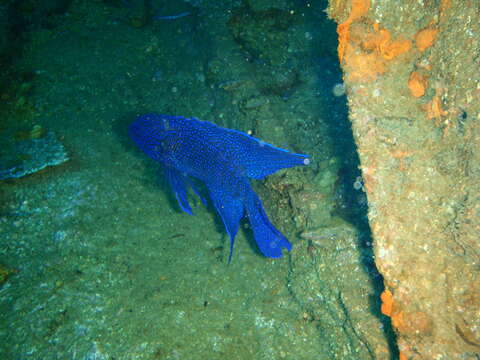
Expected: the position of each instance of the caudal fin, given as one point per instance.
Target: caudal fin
(231, 210)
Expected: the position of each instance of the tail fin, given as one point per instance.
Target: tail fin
(231, 210)
(270, 241)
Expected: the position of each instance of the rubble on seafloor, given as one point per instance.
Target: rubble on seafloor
(31, 154)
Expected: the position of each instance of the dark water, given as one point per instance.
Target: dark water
(97, 260)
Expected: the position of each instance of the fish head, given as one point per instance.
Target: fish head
(149, 132)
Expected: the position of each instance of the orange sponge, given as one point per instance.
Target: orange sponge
(417, 84)
(387, 302)
(425, 38)
(359, 9)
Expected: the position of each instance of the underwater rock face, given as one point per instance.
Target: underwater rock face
(31, 155)
(415, 123)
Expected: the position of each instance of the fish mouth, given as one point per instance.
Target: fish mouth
(141, 128)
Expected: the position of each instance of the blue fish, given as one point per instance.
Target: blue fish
(224, 160)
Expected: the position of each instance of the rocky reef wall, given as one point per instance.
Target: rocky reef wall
(411, 73)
